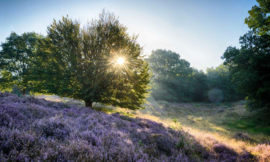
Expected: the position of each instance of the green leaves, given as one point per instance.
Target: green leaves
(78, 62)
(171, 76)
(82, 62)
(249, 67)
(259, 18)
(18, 57)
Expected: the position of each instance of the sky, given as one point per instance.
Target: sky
(198, 30)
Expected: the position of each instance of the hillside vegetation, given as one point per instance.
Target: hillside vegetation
(226, 124)
(38, 130)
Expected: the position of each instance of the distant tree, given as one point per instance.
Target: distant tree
(200, 86)
(84, 63)
(259, 17)
(170, 80)
(250, 68)
(17, 60)
(219, 83)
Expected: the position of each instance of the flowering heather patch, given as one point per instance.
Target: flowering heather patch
(34, 129)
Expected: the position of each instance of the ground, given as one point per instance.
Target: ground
(229, 123)
(63, 129)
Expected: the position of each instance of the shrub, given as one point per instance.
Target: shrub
(11, 116)
(159, 143)
(5, 119)
(225, 153)
(215, 95)
(54, 127)
(90, 137)
(11, 140)
(241, 136)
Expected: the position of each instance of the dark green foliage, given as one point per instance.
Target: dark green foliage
(16, 90)
(200, 86)
(249, 65)
(220, 86)
(250, 68)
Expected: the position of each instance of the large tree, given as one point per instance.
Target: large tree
(170, 80)
(250, 68)
(18, 61)
(98, 63)
(249, 65)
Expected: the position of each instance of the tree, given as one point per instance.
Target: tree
(219, 80)
(17, 60)
(199, 84)
(259, 17)
(99, 63)
(170, 80)
(249, 67)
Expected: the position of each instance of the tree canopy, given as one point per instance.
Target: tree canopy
(219, 83)
(249, 65)
(250, 68)
(259, 17)
(18, 60)
(174, 80)
(83, 62)
(170, 76)
(100, 62)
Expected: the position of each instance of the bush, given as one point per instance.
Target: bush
(225, 153)
(10, 116)
(215, 95)
(54, 127)
(11, 140)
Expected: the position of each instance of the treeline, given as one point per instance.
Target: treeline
(244, 73)
(81, 63)
(173, 80)
(250, 64)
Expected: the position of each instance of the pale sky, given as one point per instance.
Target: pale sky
(199, 30)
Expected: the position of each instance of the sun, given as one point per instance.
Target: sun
(120, 61)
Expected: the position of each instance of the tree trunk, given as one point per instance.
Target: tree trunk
(88, 103)
(23, 91)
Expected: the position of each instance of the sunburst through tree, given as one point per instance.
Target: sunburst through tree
(98, 63)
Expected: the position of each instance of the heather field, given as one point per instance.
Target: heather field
(59, 129)
(135, 81)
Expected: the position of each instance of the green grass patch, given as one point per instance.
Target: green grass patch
(105, 110)
(248, 126)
